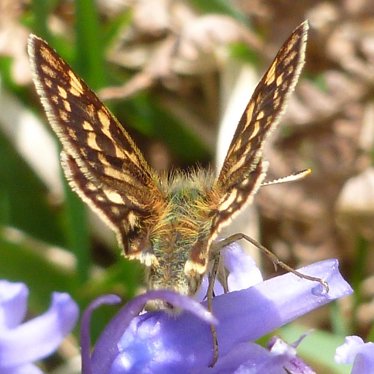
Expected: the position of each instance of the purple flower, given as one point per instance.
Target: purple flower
(157, 342)
(251, 358)
(355, 351)
(21, 344)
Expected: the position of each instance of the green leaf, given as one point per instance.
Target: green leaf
(23, 198)
(26, 260)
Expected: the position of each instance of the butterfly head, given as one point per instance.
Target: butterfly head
(171, 277)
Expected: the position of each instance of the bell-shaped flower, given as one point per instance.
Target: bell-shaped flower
(23, 343)
(157, 342)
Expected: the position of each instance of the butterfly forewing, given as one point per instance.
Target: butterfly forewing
(100, 159)
(243, 169)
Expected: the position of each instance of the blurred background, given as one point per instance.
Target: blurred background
(178, 75)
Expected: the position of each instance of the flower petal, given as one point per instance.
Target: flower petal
(243, 272)
(157, 343)
(250, 358)
(24, 369)
(364, 362)
(275, 302)
(39, 337)
(355, 351)
(85, 328)
(238, 358)
(107, 348)
(346, 353)
(13, 304)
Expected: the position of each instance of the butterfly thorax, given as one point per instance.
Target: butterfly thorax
(184, 224)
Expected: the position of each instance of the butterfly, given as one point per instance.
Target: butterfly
(168, 223)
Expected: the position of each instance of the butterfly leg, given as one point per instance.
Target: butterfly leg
(276, 261)
(210, 294)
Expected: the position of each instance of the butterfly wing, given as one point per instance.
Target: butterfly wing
(243, 169)
(100, 159)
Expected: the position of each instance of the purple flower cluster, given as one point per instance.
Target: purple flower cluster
(22, 343)
(156, 342)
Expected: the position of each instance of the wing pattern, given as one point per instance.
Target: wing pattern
(244, 169)
(100, 159)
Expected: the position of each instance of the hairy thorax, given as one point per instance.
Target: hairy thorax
(184, 225)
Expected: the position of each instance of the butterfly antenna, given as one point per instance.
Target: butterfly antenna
(289, 178)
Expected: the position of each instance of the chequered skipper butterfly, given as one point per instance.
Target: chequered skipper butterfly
(169, 224)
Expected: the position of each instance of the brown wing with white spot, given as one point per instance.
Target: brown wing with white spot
(100, 159)
(244, 169)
